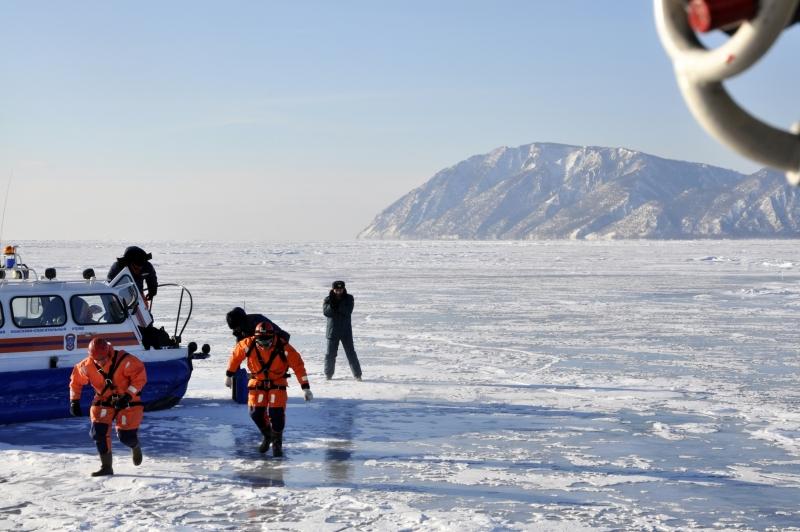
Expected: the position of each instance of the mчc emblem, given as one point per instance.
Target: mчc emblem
(69, 342)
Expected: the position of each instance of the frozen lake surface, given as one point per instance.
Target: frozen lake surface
(507, 386)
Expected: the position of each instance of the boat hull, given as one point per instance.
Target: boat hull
(36, 395)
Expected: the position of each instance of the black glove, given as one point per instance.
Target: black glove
(123, 401)
(75, 408)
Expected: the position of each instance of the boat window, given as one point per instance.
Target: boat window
(2, 317)
(94, 309)
(38, 311)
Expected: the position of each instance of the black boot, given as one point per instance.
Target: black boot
(277, 444)
(265, 441)
(105, 469)
(136, 454)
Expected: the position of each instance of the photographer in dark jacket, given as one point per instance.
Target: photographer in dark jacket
(243, 325)
(138, 262)
(338, 307)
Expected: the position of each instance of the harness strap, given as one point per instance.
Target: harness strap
(109, 377)
(265, 385)
(110, 403)
(276, 351)
(255, 375)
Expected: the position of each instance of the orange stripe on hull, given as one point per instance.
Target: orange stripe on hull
(29, 339)
(22, 348)
(114, 338)
(31, 344)
(56, 343)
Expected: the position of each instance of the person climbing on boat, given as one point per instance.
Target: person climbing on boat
(243, 325)
(338, 307)
(117, 378)
(268, 359)
(138, 262)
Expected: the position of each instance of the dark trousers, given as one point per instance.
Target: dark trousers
(350, 351)
(273, 419)
(99, 433)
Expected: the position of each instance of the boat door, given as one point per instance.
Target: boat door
(129, 294)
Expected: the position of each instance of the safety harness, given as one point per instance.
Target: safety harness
(266, 384)
(111, 401)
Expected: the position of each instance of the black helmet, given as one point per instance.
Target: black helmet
(337, 284)
(236, 317)
(136, 255)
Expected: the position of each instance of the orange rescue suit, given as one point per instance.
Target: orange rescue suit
(268, 388)
(129, 377)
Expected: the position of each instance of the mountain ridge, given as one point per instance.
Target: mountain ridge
(558, 191)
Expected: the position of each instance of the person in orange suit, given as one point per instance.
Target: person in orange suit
(268, 359)
(117, 378)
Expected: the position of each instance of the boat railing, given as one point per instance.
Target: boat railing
(183, 295)
(18, 272)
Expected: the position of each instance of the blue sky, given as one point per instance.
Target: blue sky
(302, 120)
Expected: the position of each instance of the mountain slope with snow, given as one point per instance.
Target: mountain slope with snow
(556, 191)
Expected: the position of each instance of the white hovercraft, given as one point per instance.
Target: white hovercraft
(47, 324)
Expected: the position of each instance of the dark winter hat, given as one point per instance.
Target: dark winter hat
(338, 284)
(136, 255)
(236, 317)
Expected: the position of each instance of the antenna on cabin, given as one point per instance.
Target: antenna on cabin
(5, 202)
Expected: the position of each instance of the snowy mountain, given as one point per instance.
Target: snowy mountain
(556, 191)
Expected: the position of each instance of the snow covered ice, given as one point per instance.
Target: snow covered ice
(507, 386)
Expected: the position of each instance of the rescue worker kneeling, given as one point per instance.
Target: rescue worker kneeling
(117, 378)
(268, 359)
